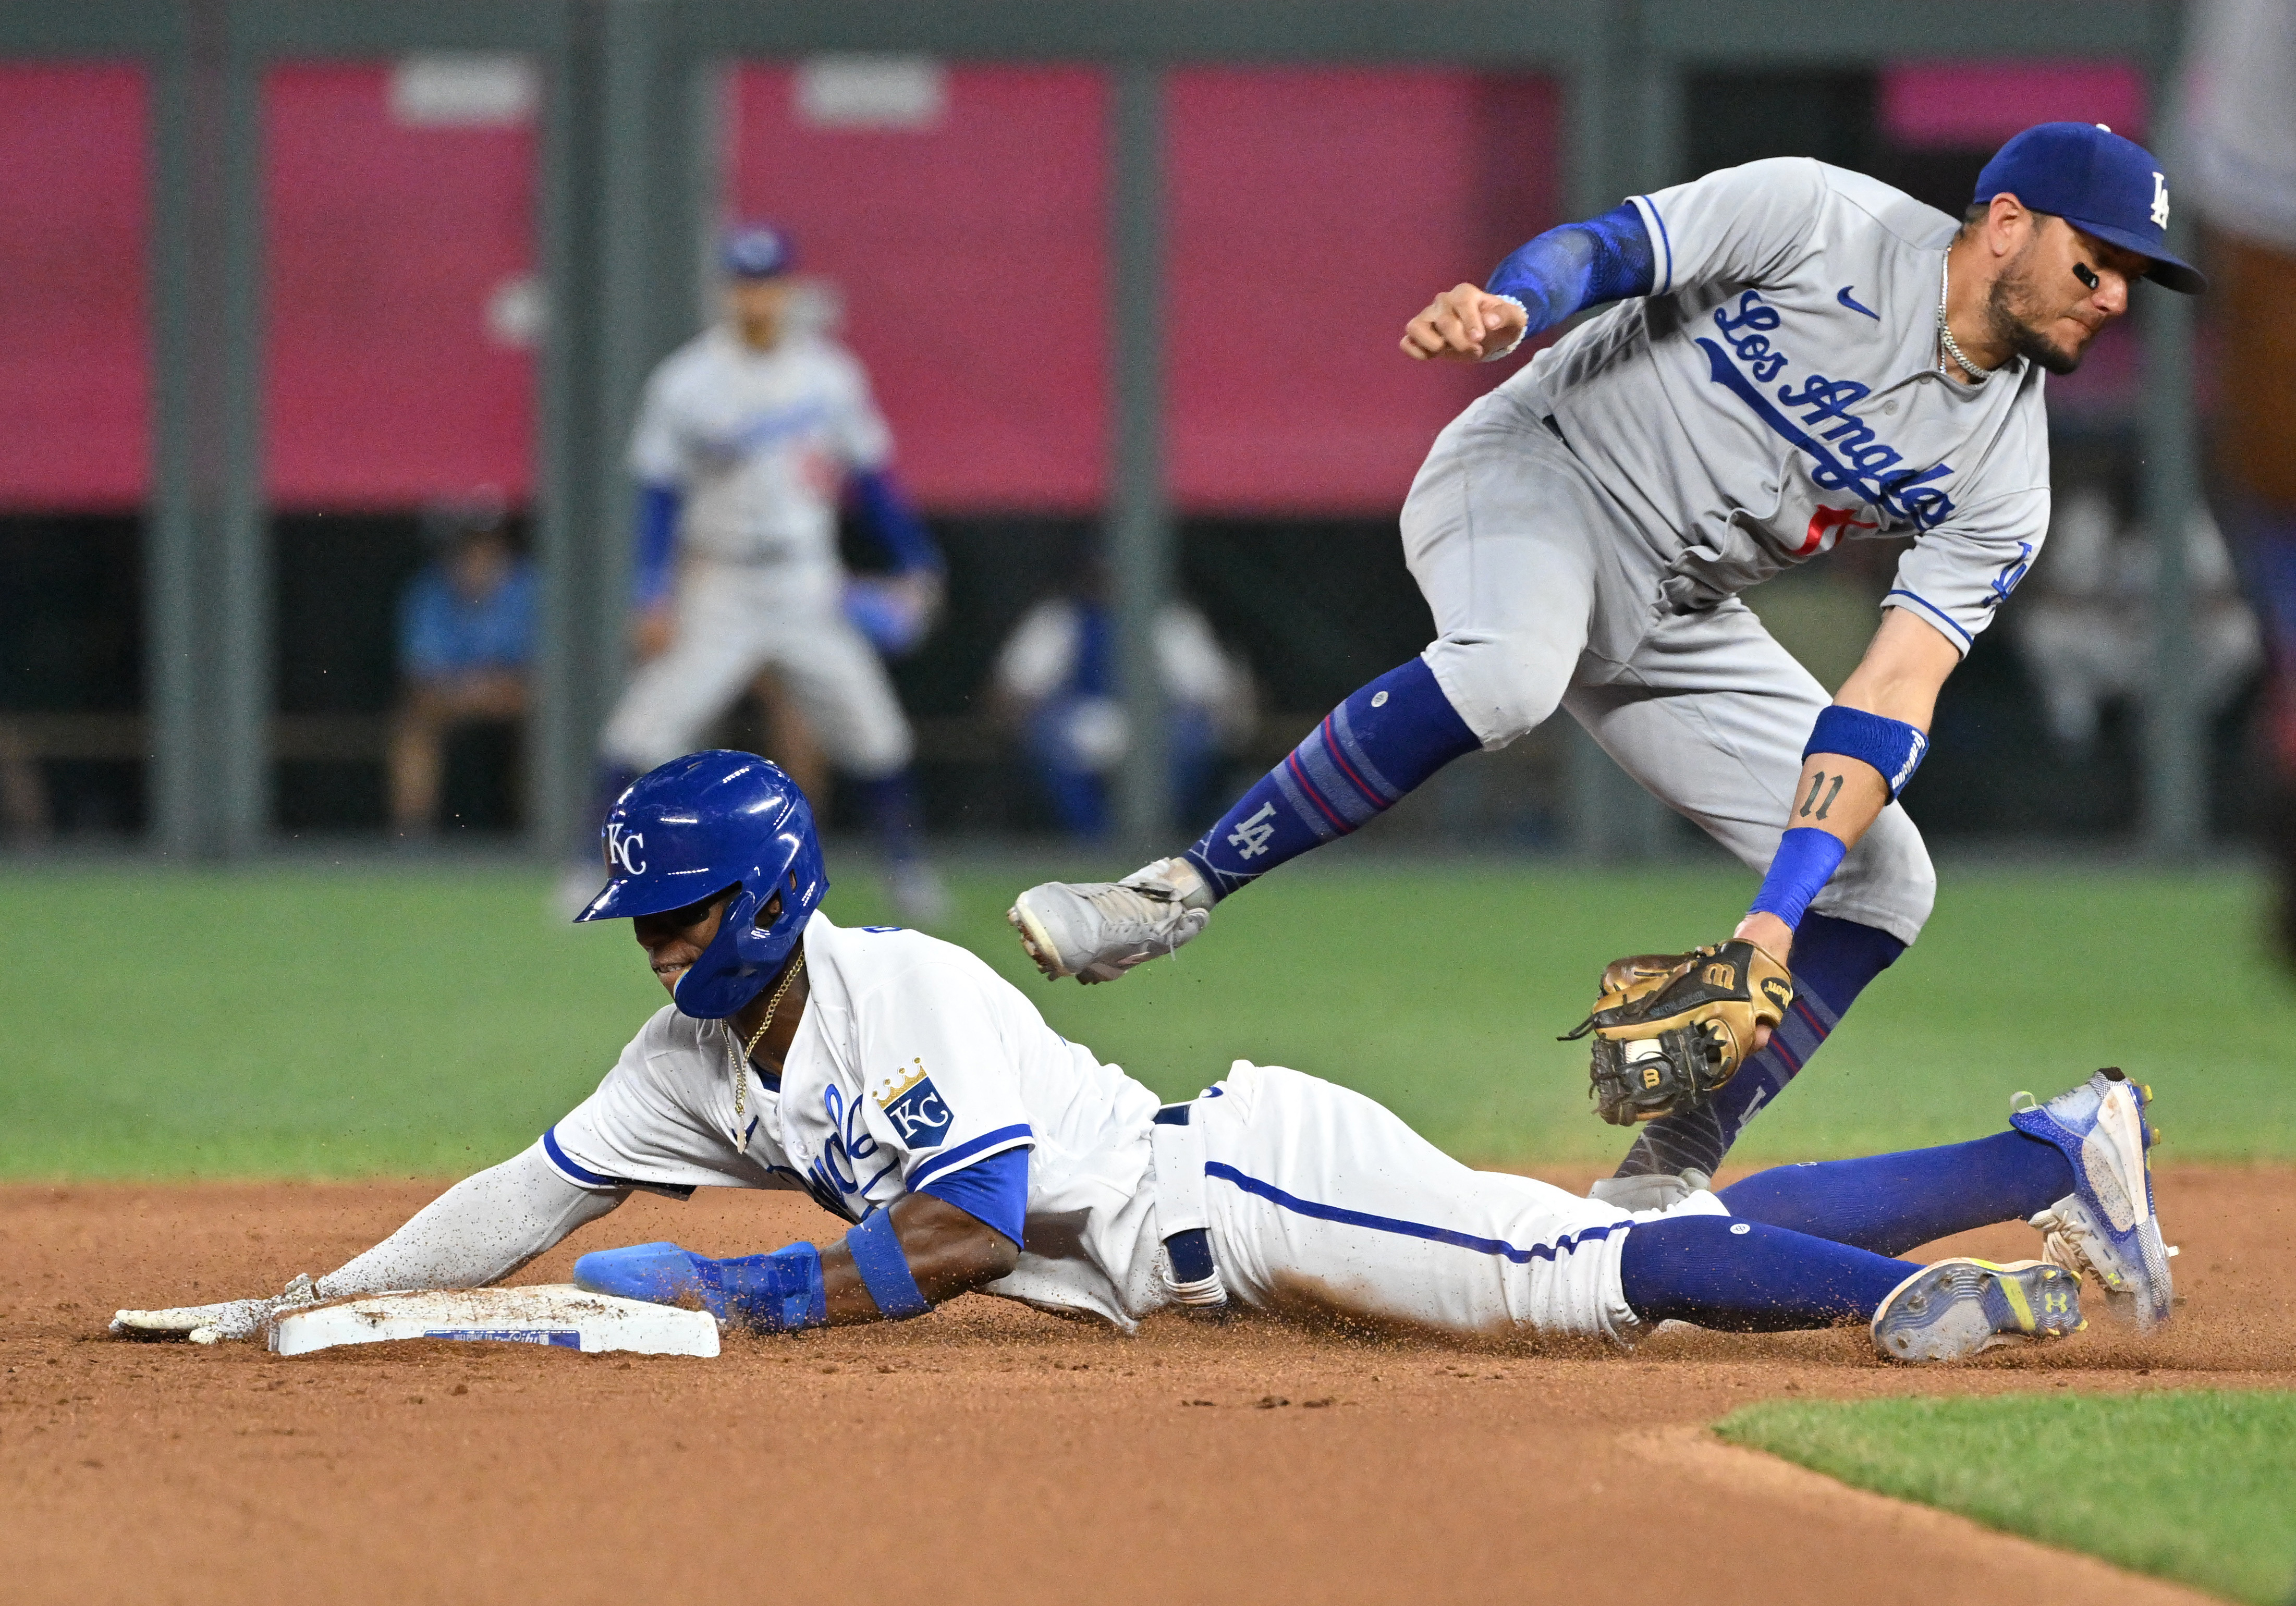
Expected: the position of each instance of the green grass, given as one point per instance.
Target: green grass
(346, 1021)
(2194, 1487)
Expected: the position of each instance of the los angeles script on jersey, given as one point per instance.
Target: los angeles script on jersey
(1848, 455)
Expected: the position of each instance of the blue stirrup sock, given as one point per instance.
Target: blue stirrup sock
(1379, 744)
(1746, 1276)
(1890, 1203)
(1832, 962)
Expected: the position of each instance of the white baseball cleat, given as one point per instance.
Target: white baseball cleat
(2106, 1227)
(1096, 930)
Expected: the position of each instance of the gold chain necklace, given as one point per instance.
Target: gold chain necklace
(738, 1063)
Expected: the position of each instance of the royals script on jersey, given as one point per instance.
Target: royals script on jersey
(913, 1061)
(1778, 390)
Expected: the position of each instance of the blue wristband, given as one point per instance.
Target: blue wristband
(884, 1269)
(780, 1292)
(1890, 746)
(1806, 860)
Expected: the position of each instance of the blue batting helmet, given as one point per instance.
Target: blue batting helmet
(692, 829)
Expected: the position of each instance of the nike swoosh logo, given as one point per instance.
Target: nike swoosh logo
(1843, 296)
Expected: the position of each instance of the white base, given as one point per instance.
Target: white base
(558, 1314)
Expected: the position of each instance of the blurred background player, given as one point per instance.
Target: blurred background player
(750, 440)
(465, 638)
(1056, 684)
(2243, 143)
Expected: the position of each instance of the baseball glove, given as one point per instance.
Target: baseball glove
(1669, 1028)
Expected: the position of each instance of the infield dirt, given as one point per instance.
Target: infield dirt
(983, 1452)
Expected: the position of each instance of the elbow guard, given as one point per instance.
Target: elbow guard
(1890, 746)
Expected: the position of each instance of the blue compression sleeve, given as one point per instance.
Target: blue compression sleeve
(1806, 860)
(1577, 265)
(993, 1192)
(892, 521)
(657, 541)
(884, 1269)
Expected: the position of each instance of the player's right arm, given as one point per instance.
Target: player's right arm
(1559, 275)
(1743, 224)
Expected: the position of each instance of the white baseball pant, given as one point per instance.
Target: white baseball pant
(1323, 1204)
(734, 620)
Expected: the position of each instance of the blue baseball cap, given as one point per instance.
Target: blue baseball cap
(2102, 185)
(756, 250)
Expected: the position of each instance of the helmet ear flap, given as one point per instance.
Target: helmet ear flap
(726, 976)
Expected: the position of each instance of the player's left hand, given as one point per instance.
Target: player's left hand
(211, 1323)
(1464, 324)
(1671, 1029)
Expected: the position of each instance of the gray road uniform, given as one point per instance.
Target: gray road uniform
(1582, 532)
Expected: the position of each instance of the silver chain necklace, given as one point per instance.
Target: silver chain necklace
(1977, 375)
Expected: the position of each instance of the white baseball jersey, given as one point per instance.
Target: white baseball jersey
(913, 1061)
(1779, 390)
(760, 443)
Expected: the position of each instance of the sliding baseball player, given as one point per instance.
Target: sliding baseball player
(921, 1099)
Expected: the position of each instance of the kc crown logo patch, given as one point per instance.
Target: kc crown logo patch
(915, 1108)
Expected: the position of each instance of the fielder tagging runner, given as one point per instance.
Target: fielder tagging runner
(748, 438)
(916, 1094)
(1798, 354)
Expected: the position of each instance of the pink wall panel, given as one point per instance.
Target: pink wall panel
(1315, 212)
(1973, 105)
(972, 256)
(385, 246)
(1312, 212)
(75, 423)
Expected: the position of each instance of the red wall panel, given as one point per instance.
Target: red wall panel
(386, 243)
(971, 255)
(75, 420)
(1311, 213)
(1314, 213)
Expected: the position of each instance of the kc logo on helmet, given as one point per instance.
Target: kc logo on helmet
(622, 849)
